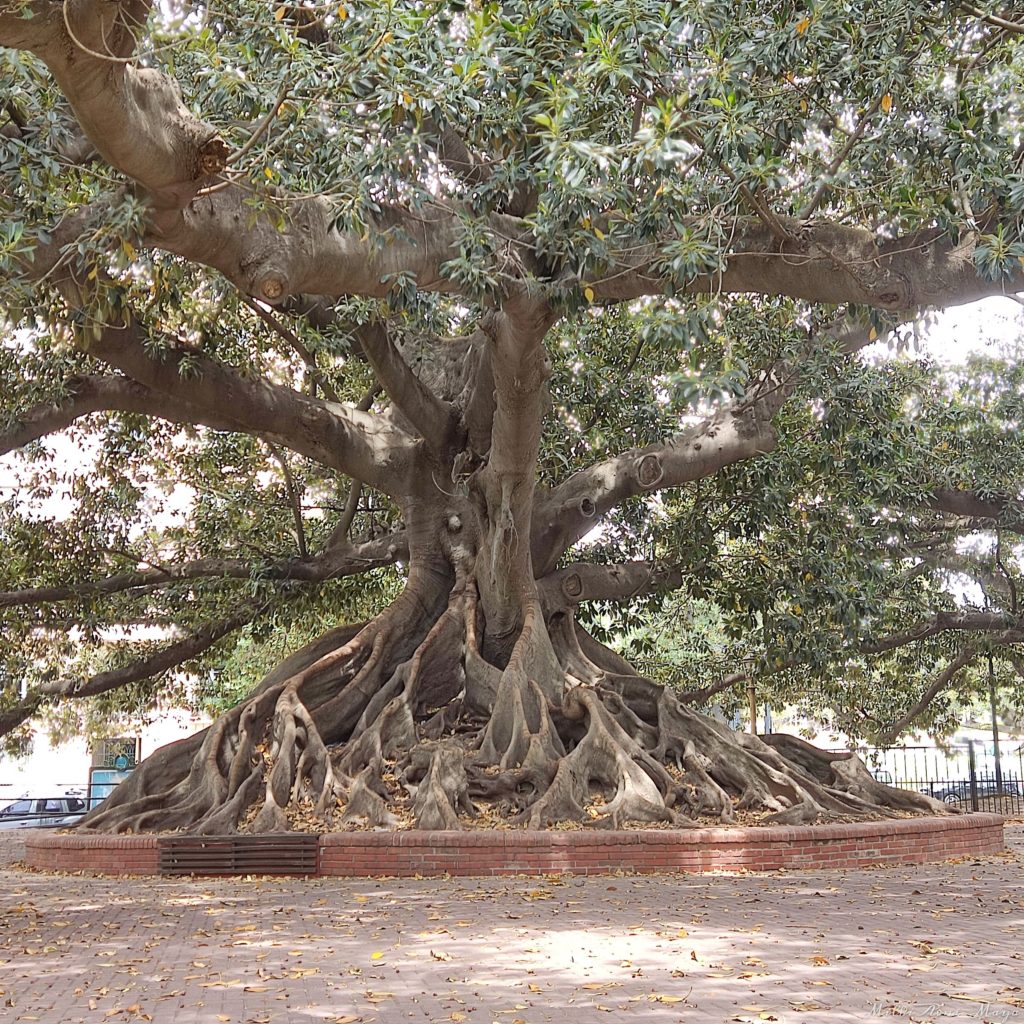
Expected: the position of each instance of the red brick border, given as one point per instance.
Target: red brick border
(497, 852)
(104, 855)
(901, 841)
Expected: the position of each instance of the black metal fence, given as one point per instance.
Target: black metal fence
(973, 774)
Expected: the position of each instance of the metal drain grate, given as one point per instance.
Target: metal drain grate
(285, 854)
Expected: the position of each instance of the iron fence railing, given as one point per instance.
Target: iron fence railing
(973, 775)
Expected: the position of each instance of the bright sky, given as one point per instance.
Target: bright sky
(988, 325)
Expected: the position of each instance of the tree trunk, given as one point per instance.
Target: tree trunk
(476, 688)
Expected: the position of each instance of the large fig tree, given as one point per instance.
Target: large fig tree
(323, 289)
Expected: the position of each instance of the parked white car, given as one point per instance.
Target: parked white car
(42, 812)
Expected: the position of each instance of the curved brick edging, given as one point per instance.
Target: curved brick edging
(902, 841)
(104, 855)
(513, 851)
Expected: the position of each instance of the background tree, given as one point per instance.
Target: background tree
(876, 569)
(440, 287)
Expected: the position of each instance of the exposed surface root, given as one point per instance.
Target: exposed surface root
(438, 773)
(606, 763)
(367, 802)
(405, 723)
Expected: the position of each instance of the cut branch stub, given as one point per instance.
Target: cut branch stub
(212, 157)
(649, 471)
(272, 287)
(572, 586)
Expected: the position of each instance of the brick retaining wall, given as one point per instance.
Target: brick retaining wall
(501, 852)
(104, 855)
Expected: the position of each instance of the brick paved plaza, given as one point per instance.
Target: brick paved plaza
(940, 943)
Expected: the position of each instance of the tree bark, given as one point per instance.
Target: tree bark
(434, 710)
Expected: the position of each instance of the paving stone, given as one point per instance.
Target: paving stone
(941, 943)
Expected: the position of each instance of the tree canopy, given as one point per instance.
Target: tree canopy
(490, 324)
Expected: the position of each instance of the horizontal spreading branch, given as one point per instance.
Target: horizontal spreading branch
(999, 511)
(332, 564)
(581, 582)
(97, 393)
(358, 443)
(942, 622)
(163, 660)
(139, 124)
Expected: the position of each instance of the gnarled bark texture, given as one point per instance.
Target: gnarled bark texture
(477, 687)
(404, 719)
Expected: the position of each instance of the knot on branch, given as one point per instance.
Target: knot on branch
(454, 524)
(272, 286)
(893, 292)
(649, 471)
(572, 586)
(212, 157)
(587, 508)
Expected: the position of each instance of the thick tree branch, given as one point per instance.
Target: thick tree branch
(433, 419)
(362, 445)
(1001, 511)
(455, 155)
(944, 622)
(334, 563)
(828, 263)
(572, 509)
(358, 443)
(166, 658)
(134, 116)
(27, 33)
(339, 535)
(941, 682)
(139, 124)
(478, 411)
(11, 718)
(96, 393)
(705, 693)
(619, 582)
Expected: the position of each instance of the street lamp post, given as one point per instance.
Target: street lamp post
(995, 723)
